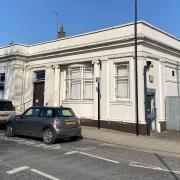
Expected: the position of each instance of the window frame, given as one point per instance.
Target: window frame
(2, 82)
(83, 80)
(121, 77)
(36, 74)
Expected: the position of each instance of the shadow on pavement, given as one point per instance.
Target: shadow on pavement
(167, 166)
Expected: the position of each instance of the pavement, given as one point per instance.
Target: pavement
(165, 143)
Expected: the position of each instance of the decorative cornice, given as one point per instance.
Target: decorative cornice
(128, 41)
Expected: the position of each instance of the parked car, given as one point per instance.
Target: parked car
(46, 122)
(6, 109)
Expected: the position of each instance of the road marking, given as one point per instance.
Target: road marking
(52, 146)
(98, 157)
(44, 174)
(154, 168)
(85, 148)
(17, 170)
(42, 145)
(26, 143)
(71, 152)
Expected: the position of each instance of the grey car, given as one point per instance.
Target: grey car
(46, 122)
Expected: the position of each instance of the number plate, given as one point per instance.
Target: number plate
(70, 122)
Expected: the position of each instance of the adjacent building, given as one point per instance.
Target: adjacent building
(67, 71)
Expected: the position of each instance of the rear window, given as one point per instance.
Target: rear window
(66, 113)
(6, 106)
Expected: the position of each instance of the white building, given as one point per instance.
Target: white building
(64, 72)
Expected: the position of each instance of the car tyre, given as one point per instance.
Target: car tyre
(10, 130)
(49, 136)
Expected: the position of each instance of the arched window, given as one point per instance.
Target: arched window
(79, 82)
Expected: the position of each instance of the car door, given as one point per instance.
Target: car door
(25, 125)
(45, 119)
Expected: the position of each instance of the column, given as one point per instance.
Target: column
(161, 96)
(56, 85)
(105, 89)
(28, 88)
(49, 86)
(95, 93)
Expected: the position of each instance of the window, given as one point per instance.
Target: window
(122, 80)
(66, 113)
(2, 81)
(28, 113)
(39, 75)
(46, 113)
(6, 106)
(79, 83)
(32, 112)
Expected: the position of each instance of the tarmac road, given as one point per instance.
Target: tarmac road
(23, 158)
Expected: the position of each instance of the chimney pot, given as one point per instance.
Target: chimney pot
(61, 33)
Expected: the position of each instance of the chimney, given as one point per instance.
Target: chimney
(61, 33)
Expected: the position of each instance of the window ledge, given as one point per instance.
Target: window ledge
(123, 102)
(77, 101)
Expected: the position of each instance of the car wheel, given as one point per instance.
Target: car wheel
(48, 136)
(10, 131)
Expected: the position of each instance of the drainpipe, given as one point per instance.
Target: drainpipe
(99, 96)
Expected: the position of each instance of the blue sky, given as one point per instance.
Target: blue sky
(32, 21)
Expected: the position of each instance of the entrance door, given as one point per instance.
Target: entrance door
(38, 95)
(151, 110)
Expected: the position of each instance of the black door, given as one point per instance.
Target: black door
(38, 95)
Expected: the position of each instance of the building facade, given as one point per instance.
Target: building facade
(67, 72)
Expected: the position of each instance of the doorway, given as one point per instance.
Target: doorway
(38, 95)
(151, 110)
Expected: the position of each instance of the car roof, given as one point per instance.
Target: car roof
(53, 107)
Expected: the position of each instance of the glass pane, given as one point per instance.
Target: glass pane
(36, 112)
(88, 73)
(75, 73)
(75, 89)
(122, 88)
(88, 90)
(122, 69)
(39, 75)
(2, 87)
(2, 77)
(67, 113)
(6, 106)
(29, 113)
(47, 113)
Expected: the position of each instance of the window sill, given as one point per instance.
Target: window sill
(77, 101)
(127, 102)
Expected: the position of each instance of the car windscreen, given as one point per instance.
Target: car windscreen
(6, 106)
(66, 113)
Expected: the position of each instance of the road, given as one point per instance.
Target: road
(23, 158)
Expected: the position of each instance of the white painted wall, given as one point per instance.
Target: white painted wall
(19, 88)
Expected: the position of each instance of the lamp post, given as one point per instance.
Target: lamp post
(136, 68)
